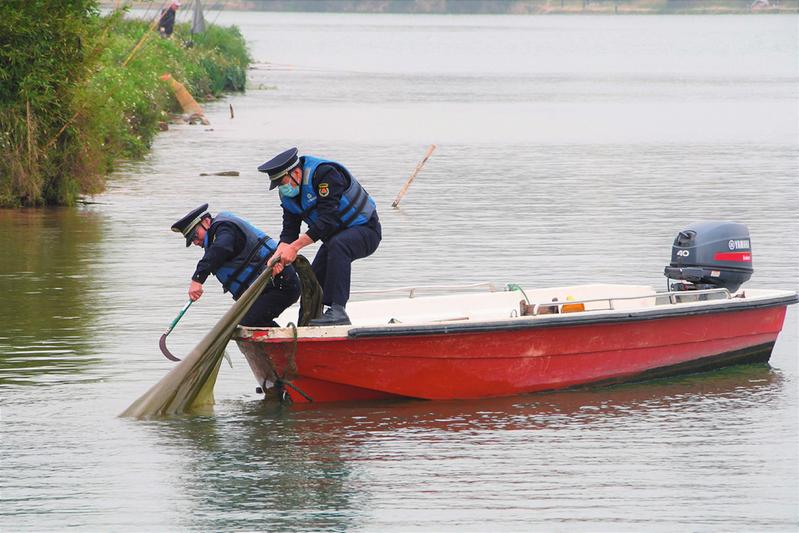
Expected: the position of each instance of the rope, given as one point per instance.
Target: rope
(291, 366)
(184, 13)
(146, 34)
(517, 287)
(147, 12)
(224, 6)
(299, 391)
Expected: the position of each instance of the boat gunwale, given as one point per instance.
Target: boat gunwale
(575, 319)
(608, 316)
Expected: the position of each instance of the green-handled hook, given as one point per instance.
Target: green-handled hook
(162, 342)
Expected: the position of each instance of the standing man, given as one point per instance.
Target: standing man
(167, 22)
(236, 252)
(337, 210)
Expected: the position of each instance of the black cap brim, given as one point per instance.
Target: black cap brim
(277, 167)
(190, 221)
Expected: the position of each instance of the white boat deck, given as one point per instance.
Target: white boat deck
(490, 305)
(515, 305)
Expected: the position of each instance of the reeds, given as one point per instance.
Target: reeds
(69, 108)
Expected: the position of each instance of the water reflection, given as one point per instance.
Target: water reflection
(290, 472)
(46, 282)
(609, 148)
(323, 467)
(745, 385)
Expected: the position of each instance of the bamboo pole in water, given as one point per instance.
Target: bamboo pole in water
(413, 175)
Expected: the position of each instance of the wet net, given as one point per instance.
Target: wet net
(311, 295)
(191, 383)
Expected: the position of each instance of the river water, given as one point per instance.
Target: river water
(570, 149)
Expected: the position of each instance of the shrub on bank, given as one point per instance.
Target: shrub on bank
(70, 105)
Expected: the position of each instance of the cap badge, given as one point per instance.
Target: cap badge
(324, 189)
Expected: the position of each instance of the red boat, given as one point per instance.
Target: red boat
(460, 346)
(497, 344)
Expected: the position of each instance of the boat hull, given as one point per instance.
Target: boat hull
(496, 360)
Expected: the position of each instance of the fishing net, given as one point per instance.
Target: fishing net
(311, 292)
(191, 383)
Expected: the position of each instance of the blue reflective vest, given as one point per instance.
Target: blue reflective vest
(354, 209)
(239, 272)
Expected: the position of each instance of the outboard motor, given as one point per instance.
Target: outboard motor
(711, 255)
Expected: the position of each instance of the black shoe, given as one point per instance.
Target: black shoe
(334, 316)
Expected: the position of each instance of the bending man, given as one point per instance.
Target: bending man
(236, 252)
(337, 210)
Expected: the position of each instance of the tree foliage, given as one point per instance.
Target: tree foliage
(45, 52)
(74, 98)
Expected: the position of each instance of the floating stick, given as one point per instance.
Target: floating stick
(223, 173)
(413, 175)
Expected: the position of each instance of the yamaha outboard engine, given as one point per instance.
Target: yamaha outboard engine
(711, 255)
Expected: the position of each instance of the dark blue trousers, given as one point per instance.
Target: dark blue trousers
(280, 293)
(333, 262)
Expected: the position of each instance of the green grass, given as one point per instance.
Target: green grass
(69, 105)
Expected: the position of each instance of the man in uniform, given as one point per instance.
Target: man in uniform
(236, 252)
(337, 210)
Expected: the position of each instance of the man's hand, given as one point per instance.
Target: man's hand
(277, 267)
(281, 248)
(273, 262)
(195, 290)
(289, 252)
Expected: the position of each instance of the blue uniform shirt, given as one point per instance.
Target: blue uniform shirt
(225, 242)
(328, 223)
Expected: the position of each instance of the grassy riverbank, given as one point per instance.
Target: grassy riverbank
(515, 7)
(79, 91)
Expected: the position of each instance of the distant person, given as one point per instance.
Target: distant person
(236, 252)
(167, 22)
(337, 210)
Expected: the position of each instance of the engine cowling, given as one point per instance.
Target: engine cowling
(711, 254)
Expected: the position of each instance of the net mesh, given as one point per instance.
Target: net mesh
(190, 384)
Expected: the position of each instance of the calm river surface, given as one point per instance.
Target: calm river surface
(570, 149)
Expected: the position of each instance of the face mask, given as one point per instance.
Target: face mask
(289, 190)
